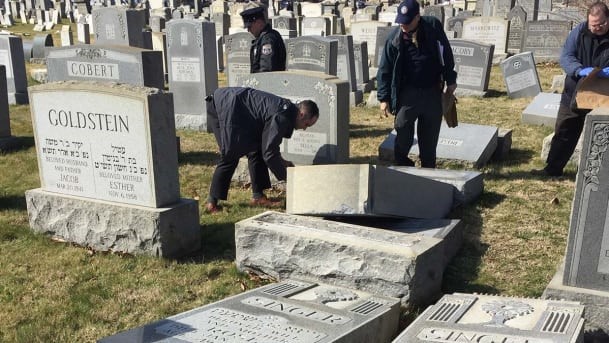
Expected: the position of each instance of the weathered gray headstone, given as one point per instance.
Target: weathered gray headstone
(290, 311)
(286, 26)
(121, 64)
(543, 110)
(328, 140)
(39, 45)
(455, 24)
(520, 75)
(383, 262)
(192, 68)
(67, 38)
(7, 142)
(313, 53)
(469, 143)
(360, 55)
(435, 11)
(382, 33)
(547, 143)
(487, 30)
(82, 33)
(316, 26)
(365, 31)
(486, 318)
(119, 26)
(11, 55)
(365, 190)
(545, 39)
(237, 57)
(108, 169)
(517, 17)
(473, 62)
(345, 67)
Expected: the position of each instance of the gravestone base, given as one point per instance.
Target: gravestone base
(356, 98)
(18, 98)
(504, 144)
(41, 61)
(383, 262)
(169, 231)
(9, 143)
(197, 122)
(462, 92)
(39, 74)
(596, 302)
(547, 142)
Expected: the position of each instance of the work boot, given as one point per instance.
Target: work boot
(263, 201)
(212, 208)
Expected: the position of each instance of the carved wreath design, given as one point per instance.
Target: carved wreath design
(91, 53)
(598, 146)
(503, 310)
(326, 90)
(334, 295)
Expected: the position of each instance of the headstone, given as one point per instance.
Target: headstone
(489, 318)
(119, 26)
(111, 163)
(543, 110)
(12, 56)
(467, 143)
(487, 30)
(310, 9)
(365, 190)
(157, 23)
(517, 17)
(435, 11)
(345, 67)
(473, 62)
(192, 67)
(360, 54)
(382, 262)
(41, 42)
(558, 83)
(545, 39)
(82, 33)
(121, 64)
(530, 7)
(455, 24)
(290, 311)
(520, 75)
(222, 21)
(66, 36)
(573, 160)
(502, 8)
(327, 141)
(237, 57)
(286, 26)
(313, 53)
(316, 26)
(365, 31)
(382, 34)
(7, 142)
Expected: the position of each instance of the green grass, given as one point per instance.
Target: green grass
(51, 291)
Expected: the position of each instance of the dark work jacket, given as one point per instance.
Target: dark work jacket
(252, 120)
(390, 76)
(267, 52)
(582, 49)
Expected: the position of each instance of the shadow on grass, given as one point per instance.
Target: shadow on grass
(217, 243)
(199, 158)
(367, 132)
(20, 143)
(464, 267)
(372, 159)
(493, 93)
(596, 336)
(13, 202)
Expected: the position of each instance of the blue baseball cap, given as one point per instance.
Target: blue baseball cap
(407, 11)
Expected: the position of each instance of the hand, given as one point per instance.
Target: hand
(287, 164)
(384, 109)
(585, 71)
(450, 89)
(604, 73)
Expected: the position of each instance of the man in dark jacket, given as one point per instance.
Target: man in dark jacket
(416, 62)
(268, 51)
(246, 120)
(586, 47)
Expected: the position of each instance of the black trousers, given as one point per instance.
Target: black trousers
(221, 179)
(423, 106)
(568, 128)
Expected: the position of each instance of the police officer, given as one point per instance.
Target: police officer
(246, 120)
(268, 51)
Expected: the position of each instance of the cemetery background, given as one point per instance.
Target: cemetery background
(51, 291)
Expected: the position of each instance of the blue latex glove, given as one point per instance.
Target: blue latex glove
(585, 71)
(604, 73)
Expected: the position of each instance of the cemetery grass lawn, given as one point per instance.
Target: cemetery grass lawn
(51, 291)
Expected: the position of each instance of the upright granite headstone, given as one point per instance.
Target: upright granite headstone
(237, 57)
(455, 24)
(11, 56)
(289, 311)
(382, 34)
(543, 110)
(382, 262)
(517, 18)
(327, 141)
(119, 26)
(520, 75)
(345, 67)
(545, 39)
(435, 11)
(365, 31)
(315, 26)
(313, 53)
(286, 26)
(473, 62)
(365, 190)
(121, 64)
(487, 30)
(192, 68)
(7, 142)
(360, 55)
(487, 318)
(108, 169)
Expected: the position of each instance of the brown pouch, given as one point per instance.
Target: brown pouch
(449, 109)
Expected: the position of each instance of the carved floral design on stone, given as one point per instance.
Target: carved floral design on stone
(598, 146)
(326, 90)
(327, 295)
(252, 83)
(91, 53)
(503, 310)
